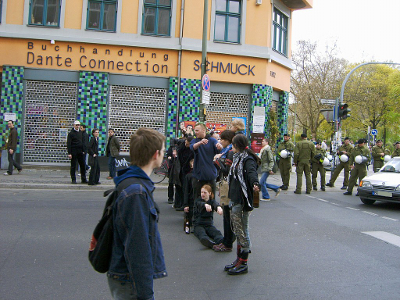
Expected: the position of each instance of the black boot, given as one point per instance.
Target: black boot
(241, 266)
(232, 265)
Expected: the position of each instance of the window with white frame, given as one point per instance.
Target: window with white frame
(228, 20)
(156, 17)
(280, 25)
(1, 9)
(44, 12)
(102, 15)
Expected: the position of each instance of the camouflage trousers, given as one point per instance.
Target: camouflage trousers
(240, 226)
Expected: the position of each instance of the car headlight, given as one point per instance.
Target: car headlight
(366, 184)
(397, 188)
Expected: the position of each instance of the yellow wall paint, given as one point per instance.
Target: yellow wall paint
(15, 12)
(129, 16)
(88, 57)
(73, 14)
(193, 27)
(178, 18)
(258, 24)
(278, 77)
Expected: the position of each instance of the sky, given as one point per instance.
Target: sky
(364, 30)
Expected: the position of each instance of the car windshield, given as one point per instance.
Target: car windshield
(392, 166)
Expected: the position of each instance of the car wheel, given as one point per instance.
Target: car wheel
(367, 201)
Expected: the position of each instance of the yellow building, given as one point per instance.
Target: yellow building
(126, 64)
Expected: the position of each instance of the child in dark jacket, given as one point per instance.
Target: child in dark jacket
(204, 228)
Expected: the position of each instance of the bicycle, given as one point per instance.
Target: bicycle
(159, 174)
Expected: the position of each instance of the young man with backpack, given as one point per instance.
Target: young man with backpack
(137, 254)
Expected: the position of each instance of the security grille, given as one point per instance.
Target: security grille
(133, 107)
(49, 115)
(223, 107)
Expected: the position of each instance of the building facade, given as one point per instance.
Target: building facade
(126, 64)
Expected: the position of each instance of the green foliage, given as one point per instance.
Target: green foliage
(273, 128)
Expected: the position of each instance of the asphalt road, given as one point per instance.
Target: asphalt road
(304, 247)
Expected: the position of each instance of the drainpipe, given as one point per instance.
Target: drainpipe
(179, 67)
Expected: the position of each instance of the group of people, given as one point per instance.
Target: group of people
(79, 147)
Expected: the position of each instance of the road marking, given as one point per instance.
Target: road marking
(335, 204)
(390, 219)
(369, 213)
(323, 200)
(385, 236)
(352, 208)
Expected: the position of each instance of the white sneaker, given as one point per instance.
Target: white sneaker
(277, 192)
(263, 199)
(6, 174)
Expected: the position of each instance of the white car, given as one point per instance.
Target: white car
(383, 185)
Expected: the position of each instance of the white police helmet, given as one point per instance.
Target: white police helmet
(344, 158)
(387, 158)
(325, 162)
(330, 157)
(358, 159)
(284, 154)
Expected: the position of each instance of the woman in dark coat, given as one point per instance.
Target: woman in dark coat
(93, 150)
(242, 179)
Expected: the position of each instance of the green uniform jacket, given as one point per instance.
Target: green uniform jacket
(376, 154)
(267, 159)
(289, 146)
(318, 151)
(364, 151)
(304, 151)
(348, 148)
(396, 152)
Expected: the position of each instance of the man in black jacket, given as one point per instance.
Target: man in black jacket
(76, 147)
(11, 148)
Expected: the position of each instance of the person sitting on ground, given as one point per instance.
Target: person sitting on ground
(204, 228)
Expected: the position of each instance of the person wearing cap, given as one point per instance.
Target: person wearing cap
(76, 147)
(112, 151)
(303, 153)
(317, 166)
(378, 154)
(358, 169)
(285, 164)
(344, 149)
(396, 151)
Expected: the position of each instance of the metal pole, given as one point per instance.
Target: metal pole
(203, 57)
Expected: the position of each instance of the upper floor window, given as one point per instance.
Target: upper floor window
(102, 15)
(280, 23)
(1, 9)
(44, 12)
(227, 20)
(157, 17)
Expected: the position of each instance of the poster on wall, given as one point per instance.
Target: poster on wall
(256, 141)
(10, 117)
(188, 127)
(258, 119)
(63, 134)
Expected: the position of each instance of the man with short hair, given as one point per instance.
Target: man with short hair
(285, 163)
(344, 149)
(303, 153)
(378, 154)
(11, 148)
(396, 151)
(76, 152)
(317, 166)
(359, 169)
(137, 253)
(204, 150)
(112, 151)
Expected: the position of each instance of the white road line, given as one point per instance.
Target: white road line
(390, 219)
(335, 204)
(323, 200)
(385, 236)
(369, 213)
(352, 208)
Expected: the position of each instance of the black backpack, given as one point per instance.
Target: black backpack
(100, 248)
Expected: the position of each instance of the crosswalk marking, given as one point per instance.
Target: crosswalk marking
(390, 219)
(385, 236)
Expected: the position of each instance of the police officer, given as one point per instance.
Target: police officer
(285, 163)
(378, 154)
(396, 151)
(344, 149)
(317, 166)
(360, 157)
(303, 153)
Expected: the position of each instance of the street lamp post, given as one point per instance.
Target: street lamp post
(203, 58)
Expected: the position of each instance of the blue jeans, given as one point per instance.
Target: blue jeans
(265, 185)
(122, 290)
(111, 166)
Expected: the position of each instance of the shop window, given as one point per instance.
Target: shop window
(102, 15)
(228, 21)
(44, 12)
(156, 17)
(280, 24)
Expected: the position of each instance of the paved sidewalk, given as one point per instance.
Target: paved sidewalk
(52, 177)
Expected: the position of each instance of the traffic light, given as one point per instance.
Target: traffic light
(344, 111)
